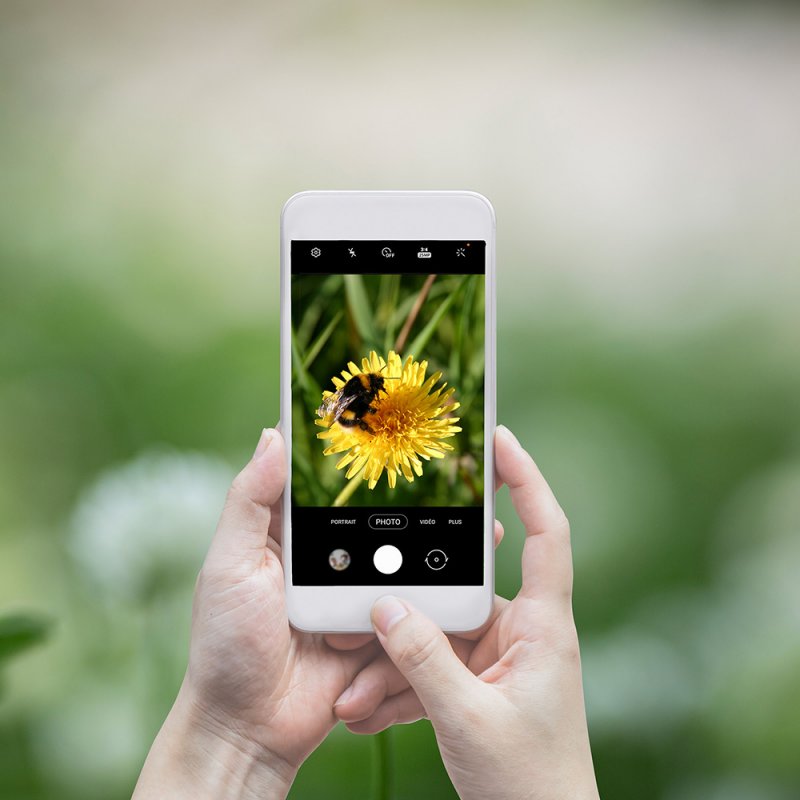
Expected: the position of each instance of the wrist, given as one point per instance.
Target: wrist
(195, 756)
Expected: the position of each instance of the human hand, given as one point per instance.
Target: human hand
(257, 697)
(506, 702)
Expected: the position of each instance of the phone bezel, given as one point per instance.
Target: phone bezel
(387, 215)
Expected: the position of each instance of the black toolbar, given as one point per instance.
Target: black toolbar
(368, 546)
(377, 257)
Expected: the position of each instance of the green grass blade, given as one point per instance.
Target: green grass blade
(462, 333)
(322, 339)
(308, 385)
(383, 777)
(315, 309)
(390, 312)
(403, 308)
(419, 343)
(360, 310)
(302, 442)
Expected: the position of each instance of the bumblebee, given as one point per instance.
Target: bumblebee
(354, 401)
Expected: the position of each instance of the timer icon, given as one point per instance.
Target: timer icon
(436, 559)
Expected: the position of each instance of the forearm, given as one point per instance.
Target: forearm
(193, 758)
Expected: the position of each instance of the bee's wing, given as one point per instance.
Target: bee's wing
(344, 402)
(327, 404)
(335, 403)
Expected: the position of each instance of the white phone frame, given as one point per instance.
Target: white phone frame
(387, 215)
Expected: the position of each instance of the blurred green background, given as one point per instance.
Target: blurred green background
(342, 318)
(642, 159)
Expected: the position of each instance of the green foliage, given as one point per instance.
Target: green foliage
(18, 632)
(670, 440)
(650, 443)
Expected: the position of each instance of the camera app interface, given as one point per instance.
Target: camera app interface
(387, 412)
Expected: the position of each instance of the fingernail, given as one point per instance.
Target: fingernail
(263, 442)
(502, 429)
(344, 696)
(386, 612)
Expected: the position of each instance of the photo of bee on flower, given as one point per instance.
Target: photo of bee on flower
(387, 389)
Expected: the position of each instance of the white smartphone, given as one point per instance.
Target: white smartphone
(388, 405)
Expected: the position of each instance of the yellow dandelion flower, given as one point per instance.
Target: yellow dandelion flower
(408, 426)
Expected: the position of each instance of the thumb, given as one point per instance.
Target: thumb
(240, 542)
(423, 655)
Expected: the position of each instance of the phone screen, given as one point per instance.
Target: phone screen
(388, 373)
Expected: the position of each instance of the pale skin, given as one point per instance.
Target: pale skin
(505, 702)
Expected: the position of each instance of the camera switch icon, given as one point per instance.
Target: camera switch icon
(436, 559)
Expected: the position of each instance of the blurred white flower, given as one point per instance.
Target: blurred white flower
(94, 736)
(636, 683)
(704, 652)
(142, 523)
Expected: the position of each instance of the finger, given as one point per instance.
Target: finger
(378, 681)
(423, 655)
(498, 481)
(400, 709)
(499, 532)
(354, 661)
(547, 555)
(241, 539)
(479, 634)
(276, 521)
(276, 510)
(348, 641)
